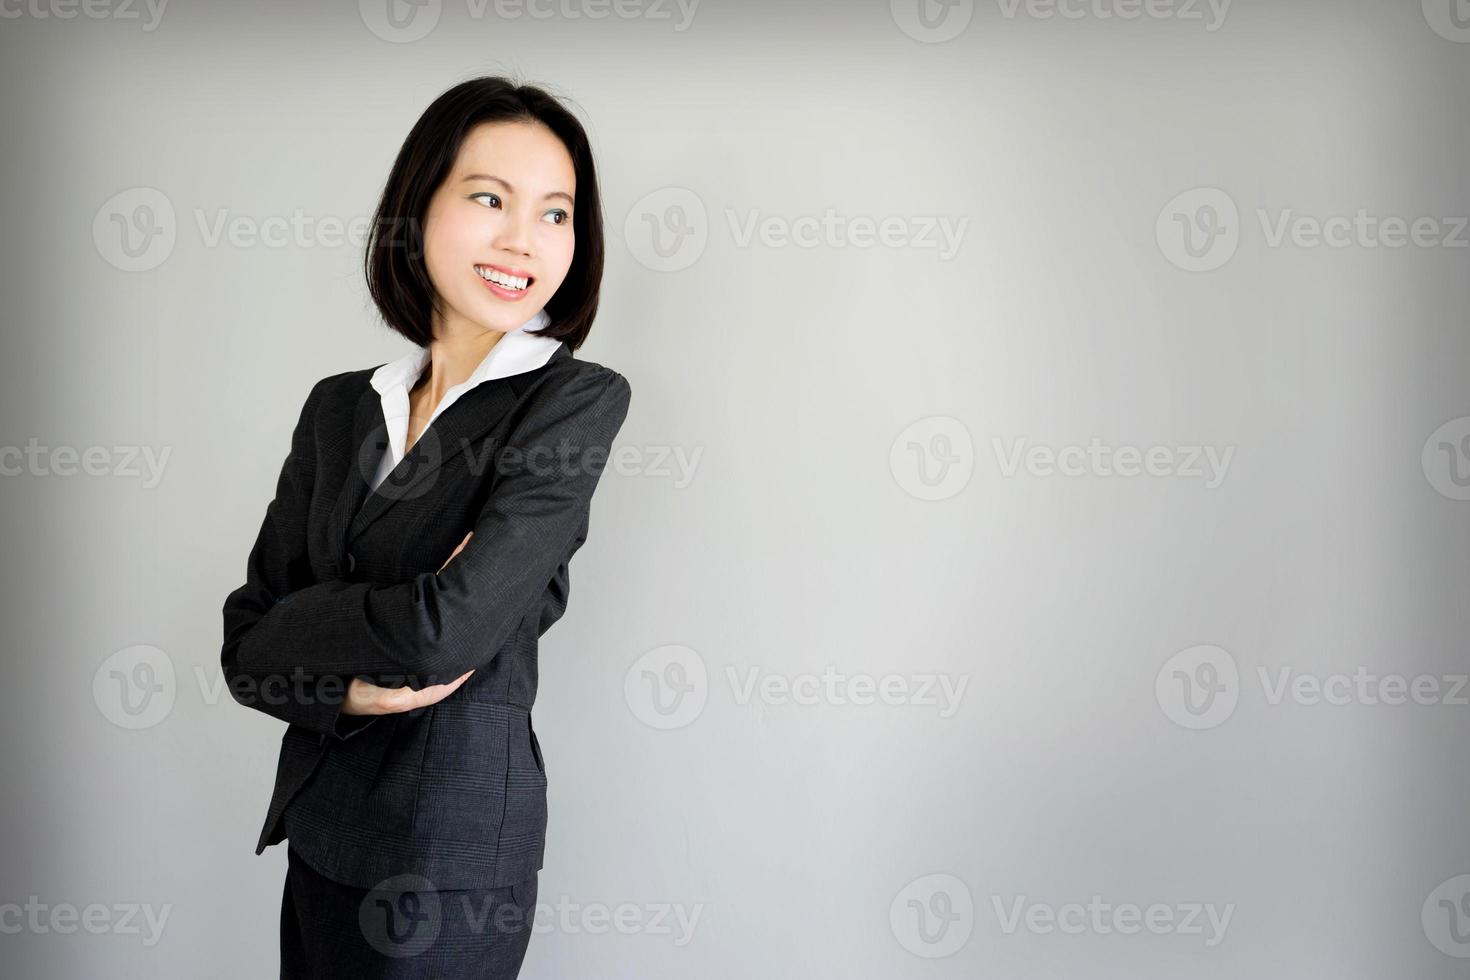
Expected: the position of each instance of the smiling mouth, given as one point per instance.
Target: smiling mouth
(507, 282)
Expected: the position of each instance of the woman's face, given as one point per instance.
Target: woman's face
(506, 206)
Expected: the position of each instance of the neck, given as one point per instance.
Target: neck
(454, 353)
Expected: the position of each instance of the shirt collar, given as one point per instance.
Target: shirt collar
(515, 353)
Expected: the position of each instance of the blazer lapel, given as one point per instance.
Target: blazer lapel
(368, 443)
(453, 433)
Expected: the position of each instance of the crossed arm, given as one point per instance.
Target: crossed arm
(284, 633)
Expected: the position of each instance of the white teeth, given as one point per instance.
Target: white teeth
(501, 279)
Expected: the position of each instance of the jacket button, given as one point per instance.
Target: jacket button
(351, 562)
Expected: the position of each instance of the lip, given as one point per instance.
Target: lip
(500, 292)
(508, 270)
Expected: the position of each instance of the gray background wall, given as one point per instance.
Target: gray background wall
(847, 688)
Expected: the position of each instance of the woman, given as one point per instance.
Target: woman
(417, 548)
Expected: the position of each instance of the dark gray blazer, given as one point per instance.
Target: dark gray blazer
(344, 583)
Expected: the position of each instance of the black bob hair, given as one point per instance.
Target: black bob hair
(397, 278)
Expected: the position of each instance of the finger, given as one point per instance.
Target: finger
(369, 698)
(458, 548)
(400, 699)
(437, 693)
(441, 691)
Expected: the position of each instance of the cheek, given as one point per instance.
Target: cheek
(448, 243)
(557, 258)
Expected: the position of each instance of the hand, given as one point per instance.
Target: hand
(366, 698)
(456, 551)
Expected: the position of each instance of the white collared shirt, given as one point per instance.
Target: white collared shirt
(515, 353)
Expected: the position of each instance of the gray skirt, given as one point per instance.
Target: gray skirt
(400, 929)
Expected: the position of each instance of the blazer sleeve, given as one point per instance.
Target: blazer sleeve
(436, 626)
(277, 566)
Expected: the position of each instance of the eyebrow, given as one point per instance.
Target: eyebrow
(506, 184)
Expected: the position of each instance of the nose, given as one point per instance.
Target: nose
(513, 234)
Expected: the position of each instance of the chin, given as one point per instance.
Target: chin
(501, 321)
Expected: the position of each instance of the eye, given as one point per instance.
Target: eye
(562, 215)
(477, 196)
